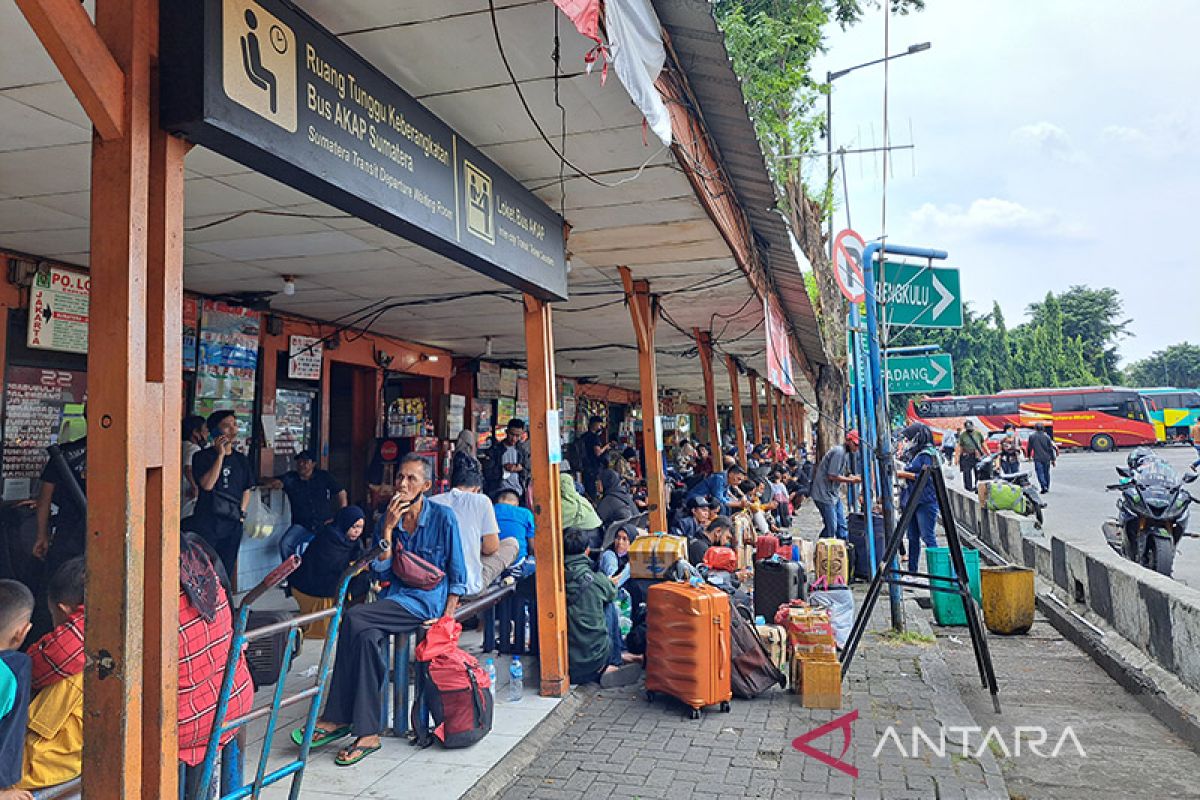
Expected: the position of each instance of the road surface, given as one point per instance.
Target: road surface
(1078, 503)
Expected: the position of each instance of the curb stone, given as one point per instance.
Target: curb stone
(511, 764)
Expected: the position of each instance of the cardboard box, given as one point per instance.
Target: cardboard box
(820, 683)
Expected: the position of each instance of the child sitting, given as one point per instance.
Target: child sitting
(16, 609)
(516, 522)
(54, 742)
(594, 651)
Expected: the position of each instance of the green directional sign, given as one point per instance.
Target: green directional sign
(918, 296)
(920, 374)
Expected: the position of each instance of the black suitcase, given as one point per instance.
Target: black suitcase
(777, 583)
(265, 654)
(858, 540)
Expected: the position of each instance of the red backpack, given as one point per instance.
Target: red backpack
(454, 689)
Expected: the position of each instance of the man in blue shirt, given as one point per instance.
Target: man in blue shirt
(427, 530)
(515, 522)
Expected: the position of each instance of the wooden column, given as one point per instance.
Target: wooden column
(164, 366)
(739, 430)
(755, 415)
(772, 431)
(804, 431)
(704, 344)
(643, 309)
(789, 423)
(547, 501)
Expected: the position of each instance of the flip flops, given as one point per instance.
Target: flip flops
(363, 752)
(320, 738)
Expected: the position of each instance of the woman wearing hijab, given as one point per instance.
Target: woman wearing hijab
(919, 453)
(464, 453)
(614, 557)
(577, 512)
(617, 503)
(315, 582)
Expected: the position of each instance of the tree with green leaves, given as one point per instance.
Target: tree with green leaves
(1177, 365)
(772, 44)
(1095, 317)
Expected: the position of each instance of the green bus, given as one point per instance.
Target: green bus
(1173, 412)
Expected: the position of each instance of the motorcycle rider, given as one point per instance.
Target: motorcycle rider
(1010, 450)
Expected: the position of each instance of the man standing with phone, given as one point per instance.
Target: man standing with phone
(225, 478)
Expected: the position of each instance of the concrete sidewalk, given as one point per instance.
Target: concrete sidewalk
(618, 745)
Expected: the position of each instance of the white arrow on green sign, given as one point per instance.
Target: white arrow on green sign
(920, 374)
(918, 296)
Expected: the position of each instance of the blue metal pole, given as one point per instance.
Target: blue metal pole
(854, 408)
(865, 424)
(883, 447)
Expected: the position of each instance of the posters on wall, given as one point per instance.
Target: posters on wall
(191, 332)
(487, 381)
(483, 419)
(293, 421)
(456, 407)
(779, 352)
(304, 358)
(39, 405)
(506, 409)
(58, 310)
(508, 382)
(226, 363)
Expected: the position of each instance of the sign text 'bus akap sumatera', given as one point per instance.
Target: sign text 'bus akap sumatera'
(264, 84)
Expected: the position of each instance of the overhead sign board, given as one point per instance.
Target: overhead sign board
(848, 249)
(919, 296)
(59, 300)
(920, 374)
(264, 84)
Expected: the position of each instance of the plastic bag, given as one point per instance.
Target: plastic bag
(839, 601)
(266, 517)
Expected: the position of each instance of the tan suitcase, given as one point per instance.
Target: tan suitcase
(832, 562)
(775, 638)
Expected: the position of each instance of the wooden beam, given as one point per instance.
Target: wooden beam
(115, 692)
(643, 310)
(547, 501)
(164, 327)
(739, 429)
(704, 345)
(771, 431)
(84, 60)
(755, 415)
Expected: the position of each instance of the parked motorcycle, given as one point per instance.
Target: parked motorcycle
(1030, 502)
(1152, 514)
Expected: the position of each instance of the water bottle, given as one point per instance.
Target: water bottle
(516, 680)
(490, 667)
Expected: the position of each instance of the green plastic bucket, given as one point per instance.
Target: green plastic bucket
(948, 609)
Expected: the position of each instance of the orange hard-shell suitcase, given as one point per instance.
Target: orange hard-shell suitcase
(687, 644)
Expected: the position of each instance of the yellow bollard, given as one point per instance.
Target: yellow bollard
(1007, 598)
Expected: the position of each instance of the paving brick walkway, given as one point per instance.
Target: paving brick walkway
(618, 745)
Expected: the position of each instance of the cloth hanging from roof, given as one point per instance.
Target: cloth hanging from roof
(585, 14)
(636, 44)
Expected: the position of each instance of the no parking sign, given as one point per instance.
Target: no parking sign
(848, 248)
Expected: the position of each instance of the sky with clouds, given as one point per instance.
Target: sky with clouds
(1055, 145)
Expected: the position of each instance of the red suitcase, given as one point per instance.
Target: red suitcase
(688, 644)
(765, 546)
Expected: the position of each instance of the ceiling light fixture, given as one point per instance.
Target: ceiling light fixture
(487, 346)
(289, 285)
(430, 357)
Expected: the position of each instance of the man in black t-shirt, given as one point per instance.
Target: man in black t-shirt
(225, 478)
(595, 446)
(62, 538)
(314, 495)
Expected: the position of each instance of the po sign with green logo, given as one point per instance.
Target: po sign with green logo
(920, 374)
